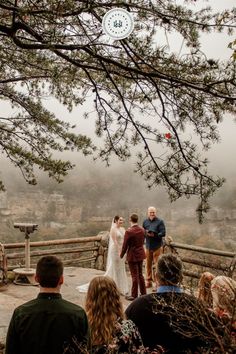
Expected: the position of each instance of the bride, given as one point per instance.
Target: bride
(115, 268)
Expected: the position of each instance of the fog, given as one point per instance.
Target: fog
(128, 189)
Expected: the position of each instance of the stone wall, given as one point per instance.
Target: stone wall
(101, 259)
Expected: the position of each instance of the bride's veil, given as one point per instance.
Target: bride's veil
(110, 246)
(84, 287)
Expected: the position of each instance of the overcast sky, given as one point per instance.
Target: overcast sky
(221, 155)
(214, 45)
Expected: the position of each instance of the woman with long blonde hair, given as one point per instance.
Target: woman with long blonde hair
(223, 291)
(204, 289)
(219, 294)
(110, 331)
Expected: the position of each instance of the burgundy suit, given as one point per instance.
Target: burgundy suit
(133, 246)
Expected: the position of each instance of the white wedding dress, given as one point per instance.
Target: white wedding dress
(115, 265)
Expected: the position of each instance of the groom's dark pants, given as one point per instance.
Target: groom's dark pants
(136, 270)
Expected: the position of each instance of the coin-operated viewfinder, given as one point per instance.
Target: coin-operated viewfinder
(25, 276)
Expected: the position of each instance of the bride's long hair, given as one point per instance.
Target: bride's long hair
(104, 307)
(116, 218)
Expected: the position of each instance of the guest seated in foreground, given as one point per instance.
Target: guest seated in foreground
(48, 324)
(223, 291)
(171, 318)
(204, 289)
(110, 331)
(219, 294)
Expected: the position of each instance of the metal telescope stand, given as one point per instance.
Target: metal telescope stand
(25, 276)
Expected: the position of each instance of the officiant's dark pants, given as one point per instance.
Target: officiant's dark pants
(136, 270)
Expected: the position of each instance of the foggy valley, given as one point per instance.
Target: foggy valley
(85, 203)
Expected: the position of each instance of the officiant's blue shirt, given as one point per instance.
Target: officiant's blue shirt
(156, 226)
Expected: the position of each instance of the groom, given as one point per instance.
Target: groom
(133, 245)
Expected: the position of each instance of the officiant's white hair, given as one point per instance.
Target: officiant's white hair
(152, 207)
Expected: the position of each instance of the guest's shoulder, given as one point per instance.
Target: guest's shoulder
(25, 306)
(141, 300)
(72, 306)
(172, 297)
(186, 295)
(185, 300)
(142, 304)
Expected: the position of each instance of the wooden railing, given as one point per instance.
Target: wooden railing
(91, 252)
(86, 245)
(199, 259)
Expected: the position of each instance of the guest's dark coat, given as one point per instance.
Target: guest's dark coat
(47, 325)
(176, 321)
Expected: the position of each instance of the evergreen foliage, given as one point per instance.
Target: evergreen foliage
(144, 95)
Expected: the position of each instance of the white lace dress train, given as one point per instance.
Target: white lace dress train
(115, 265)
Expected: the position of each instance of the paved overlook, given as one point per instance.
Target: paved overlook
(13, 295)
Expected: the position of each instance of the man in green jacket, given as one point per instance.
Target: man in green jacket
(48, 324)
